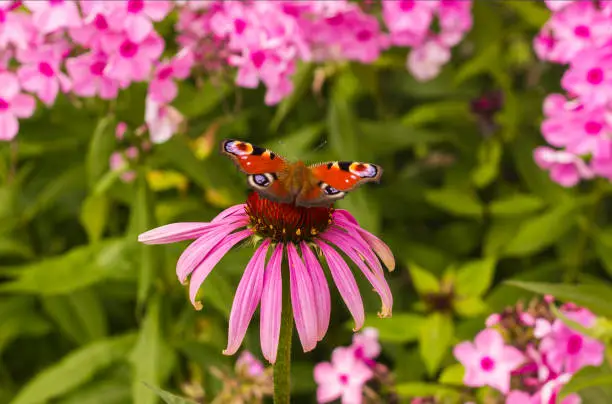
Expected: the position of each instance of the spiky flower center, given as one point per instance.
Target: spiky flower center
(284, 222)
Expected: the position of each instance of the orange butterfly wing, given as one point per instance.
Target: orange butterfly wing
(262, 167)
(337, 178)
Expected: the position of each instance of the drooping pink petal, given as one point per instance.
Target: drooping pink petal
(271, 305)
(380, 285)
(319, 283)
(199, 249)
(247, 298)
(360, 245)
(345, 282)
(201, 272)
(379, 247)
(174, 232)
(302, 300)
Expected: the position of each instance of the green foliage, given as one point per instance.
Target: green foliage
(90, 316)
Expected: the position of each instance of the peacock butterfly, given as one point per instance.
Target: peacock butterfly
(303, 185)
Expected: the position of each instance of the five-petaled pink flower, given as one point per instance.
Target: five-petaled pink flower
(487, 361)
(136, 16)
(290, 233)
(162, 87)
(13, 105)
(131, 61)
(343, 378)
(40, 72)
(51, 15)
(88, 78)
(567, 350)
(366, 346)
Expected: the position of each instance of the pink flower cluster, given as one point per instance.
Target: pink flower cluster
(350, 368)
(529, 355)
(95, 48)
(578, 125)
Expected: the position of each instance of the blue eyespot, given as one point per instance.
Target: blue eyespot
(329, 190)
(261, 180)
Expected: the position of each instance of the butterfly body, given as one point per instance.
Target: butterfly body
(303, 185)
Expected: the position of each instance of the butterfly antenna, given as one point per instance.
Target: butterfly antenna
(320, 146)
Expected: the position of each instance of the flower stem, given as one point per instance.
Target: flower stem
(282, 367)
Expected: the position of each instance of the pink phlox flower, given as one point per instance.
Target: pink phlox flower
(455, 18)
(92, 33)
(363, 41)
(135, 17)
(131, 61)
(235, 21)
(492, 320)
(577, 27)
(366, 346)
(15, 28)
(520, 397)
(568, 350)
(162, 120)
(120, 130)
(88, 77)
(408, 20)
(162, 87)
(550, 391)
(545, 44)
(487, 361)
(542, 328)
(565, 168)
(120, 161)
(556, 5)
(343, 378)
(426, 61)
(247, 363)
(51, 15)
(13, 105)
(41, 73)
(590, 76)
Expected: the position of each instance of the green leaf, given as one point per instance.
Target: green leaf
(75, 369)
(76, 269)
(363, 209)
(475, 277)
(94, 215)
(516, 205)
(19, 317)
(168, 397)
(434, 112)
(421, 389)
(193, 102)
(455, 201)
(401, 328)
(101, 146)
(100, 392)
(533, 14)
(218, 292)
(595, 297)
(541, 231)
(453, 375)
(141, 220)
(342, 128)
(603, 247)
(80, 315)
(489, 157)
(435, 339)
(594, 382)
(151, 358)
(296, 145)
(469, 306)
(424, 281)
(302, 80)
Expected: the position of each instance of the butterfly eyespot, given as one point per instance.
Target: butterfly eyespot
(238, 148)
(261, 180)
(329, 190)
(363, 170)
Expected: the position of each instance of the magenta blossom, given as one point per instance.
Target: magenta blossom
(51, 15)
(247, 363)
(162, 120)
(488, 361)
(366, 345)
(567, 169)
(162, 87)
(13, 105)
(343, 378)
(136, 17)
(568, 350)
(291, 234)
(88, 77)
(131, 61)
(41, 72)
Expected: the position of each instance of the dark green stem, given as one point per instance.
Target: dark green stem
(282, 367)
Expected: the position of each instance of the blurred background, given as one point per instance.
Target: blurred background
(87, 314)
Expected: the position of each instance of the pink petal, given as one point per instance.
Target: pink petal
(9, 86)
(199, 249)
(360, 245)
(48, 91)
(23, 105)
(489, 341)
(379, 247)
(324, 372)
(233, 210)
(380, 285)
(247, 298)
(302, 300)
(271, 305)
(319, 283)
(345, 282)
(9, 126)
(174, 232)
(138, 27)
(209, 262)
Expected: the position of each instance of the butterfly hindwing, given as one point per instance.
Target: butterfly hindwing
(337, 178)
(262, 167)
